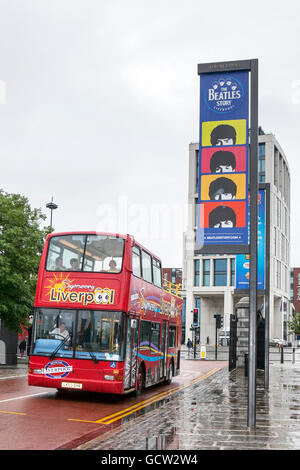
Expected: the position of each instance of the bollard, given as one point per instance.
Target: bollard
(293, 355)
(246, 365)
(281, 358)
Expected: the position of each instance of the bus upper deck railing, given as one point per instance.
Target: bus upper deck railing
(172, 288)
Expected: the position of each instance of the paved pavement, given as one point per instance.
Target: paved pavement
(12, 371)
(212, 414)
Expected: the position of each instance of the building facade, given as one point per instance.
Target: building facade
(295, 289)
(209, 281)
(173, 275)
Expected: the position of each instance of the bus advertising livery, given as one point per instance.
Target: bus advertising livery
(103, 321)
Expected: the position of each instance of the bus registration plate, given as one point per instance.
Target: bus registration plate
(71, 385)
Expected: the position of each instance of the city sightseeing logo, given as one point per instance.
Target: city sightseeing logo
(224, 95)
(57, 369)
(66, 290)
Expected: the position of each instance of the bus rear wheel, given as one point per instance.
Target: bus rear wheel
(140, 382)
(170, 374)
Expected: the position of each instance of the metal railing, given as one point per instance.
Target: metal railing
(172, 288)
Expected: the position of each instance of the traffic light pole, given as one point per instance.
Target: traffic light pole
(219, 324)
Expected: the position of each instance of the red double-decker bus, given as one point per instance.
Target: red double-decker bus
(103, 321)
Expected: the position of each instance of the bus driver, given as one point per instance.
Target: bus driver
(61, 332)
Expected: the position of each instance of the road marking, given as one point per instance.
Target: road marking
(143, 404)
(12, 413)
(12, 377)
(24, 396)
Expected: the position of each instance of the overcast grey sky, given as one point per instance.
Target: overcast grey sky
(102, 101)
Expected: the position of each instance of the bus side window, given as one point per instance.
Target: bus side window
(145, 334)
(156, 272)
(136, 261)
(147, 266)
(155, 337)
(172, 336)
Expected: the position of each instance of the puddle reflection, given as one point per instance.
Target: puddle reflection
(164, 441)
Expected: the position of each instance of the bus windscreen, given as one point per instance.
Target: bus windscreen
(92, 253)
(77, 333)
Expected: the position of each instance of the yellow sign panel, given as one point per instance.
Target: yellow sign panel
(223, 187)
(224, 133)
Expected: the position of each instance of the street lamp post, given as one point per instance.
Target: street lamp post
(51, 205)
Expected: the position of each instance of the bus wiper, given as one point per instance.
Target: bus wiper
(58, 347)
(92, 356)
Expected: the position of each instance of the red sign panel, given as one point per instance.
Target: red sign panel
(297, 289)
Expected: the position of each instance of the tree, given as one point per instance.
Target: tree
(21, 244)
(294, 324)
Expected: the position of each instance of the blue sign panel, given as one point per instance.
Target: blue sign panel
(223, 159)
(243, 261)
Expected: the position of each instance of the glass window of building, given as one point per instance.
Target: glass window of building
(232, 271)
(206, 272)
(278, 274)
(220, 272)
(261, 163)
(283, 256)
(197, 272)
(278, 212)
(274, 241)
(276, 158)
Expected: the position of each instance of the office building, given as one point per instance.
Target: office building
(209, 281)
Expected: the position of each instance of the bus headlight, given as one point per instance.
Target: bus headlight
(109, 377)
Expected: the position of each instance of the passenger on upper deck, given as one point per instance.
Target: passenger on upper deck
(113, 266)
(59, 264)
(74, 264)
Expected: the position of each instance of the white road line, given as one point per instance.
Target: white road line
(12, 377)
(24, 396)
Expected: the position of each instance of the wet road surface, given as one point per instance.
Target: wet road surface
(42, 418)
(212, 414)
(204, 408)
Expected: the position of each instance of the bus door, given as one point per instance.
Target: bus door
(131, 352)
(164, 349)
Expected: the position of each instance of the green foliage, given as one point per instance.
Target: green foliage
(294, 325)
(21, 244)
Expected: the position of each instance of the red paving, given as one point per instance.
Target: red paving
(44, 419)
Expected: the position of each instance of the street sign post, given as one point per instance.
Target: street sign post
(224, 138)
